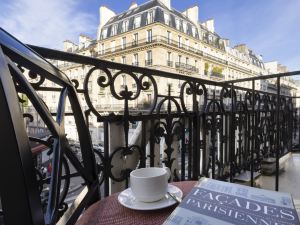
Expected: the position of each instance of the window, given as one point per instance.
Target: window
(135, 39)
(169, 62)
(184, 27)
(177, 24)
(113, 46)
(179, 42)
(179, 58)
(148, 58)
(167, 18)
(150, 17)
(124, 59)
(149, 35)
(169, 56)
(114, 29)
(186, 60)
(102, 48)
(135, 60)
(169, 37)
(104, 33)
(187, 43)
(123, 42)
(137, 22)
(125, 26)
(194, 31)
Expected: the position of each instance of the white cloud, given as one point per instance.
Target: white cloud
(46, 23)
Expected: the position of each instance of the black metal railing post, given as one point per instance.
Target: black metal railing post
(277, 135)
(232, 135)
(253, 134)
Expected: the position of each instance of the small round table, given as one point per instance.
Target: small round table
(110, 211)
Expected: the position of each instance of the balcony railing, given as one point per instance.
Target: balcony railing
(148, 62)
(217, 75)
(184, 66)
(202, 128)
(169, 63)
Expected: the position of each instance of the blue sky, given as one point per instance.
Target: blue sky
(269, 27)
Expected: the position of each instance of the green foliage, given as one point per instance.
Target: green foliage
(206, 67)
(24, 100)
(217, 70)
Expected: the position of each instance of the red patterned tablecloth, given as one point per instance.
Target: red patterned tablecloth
(110, 211)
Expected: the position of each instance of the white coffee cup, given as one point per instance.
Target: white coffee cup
(149, 184)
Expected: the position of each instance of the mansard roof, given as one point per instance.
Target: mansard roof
(142, 10)
(144, 7)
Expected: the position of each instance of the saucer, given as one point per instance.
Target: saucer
(127, 199)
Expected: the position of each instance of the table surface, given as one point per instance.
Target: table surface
(110, 211)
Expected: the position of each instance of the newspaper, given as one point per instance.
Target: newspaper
(213, 202)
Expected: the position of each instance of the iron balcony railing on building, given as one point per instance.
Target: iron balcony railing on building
(214, 58)
(202, 128)
(217, 75)
(148, 62)
(169, 63)
(184, 66)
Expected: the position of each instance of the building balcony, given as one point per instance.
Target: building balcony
(187, 67)
(218, 76)
(201, 128)
(169, 63)
(148, 62)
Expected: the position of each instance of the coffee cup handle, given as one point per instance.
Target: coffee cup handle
(168, 172)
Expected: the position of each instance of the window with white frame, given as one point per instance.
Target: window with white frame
(124, 59)
(179, 59)
(177, 22)
(179, 41)
(113, 46)
(149, 35)
(169, 59)
(102, 48)
(193, 31)
(114, 29)
(184, 24)
(137, 22)
(149, 58)
(135, 39)
(186, 60)
(169, 37)
(167, 18)
(125, 26)
(135, 59)
(187, 43)
(123, 42)
(150, 17)
(104, 33)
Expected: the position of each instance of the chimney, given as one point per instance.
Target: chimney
(167, 3)
(192, 13)
(242, 48)
(105, 15)
(133, 5)
(69, 46)
(84, 41)
(226, 42)
(210, 25)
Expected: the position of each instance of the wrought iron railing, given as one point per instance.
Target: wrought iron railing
(179, 65)
(148, 62)
(201, 128)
